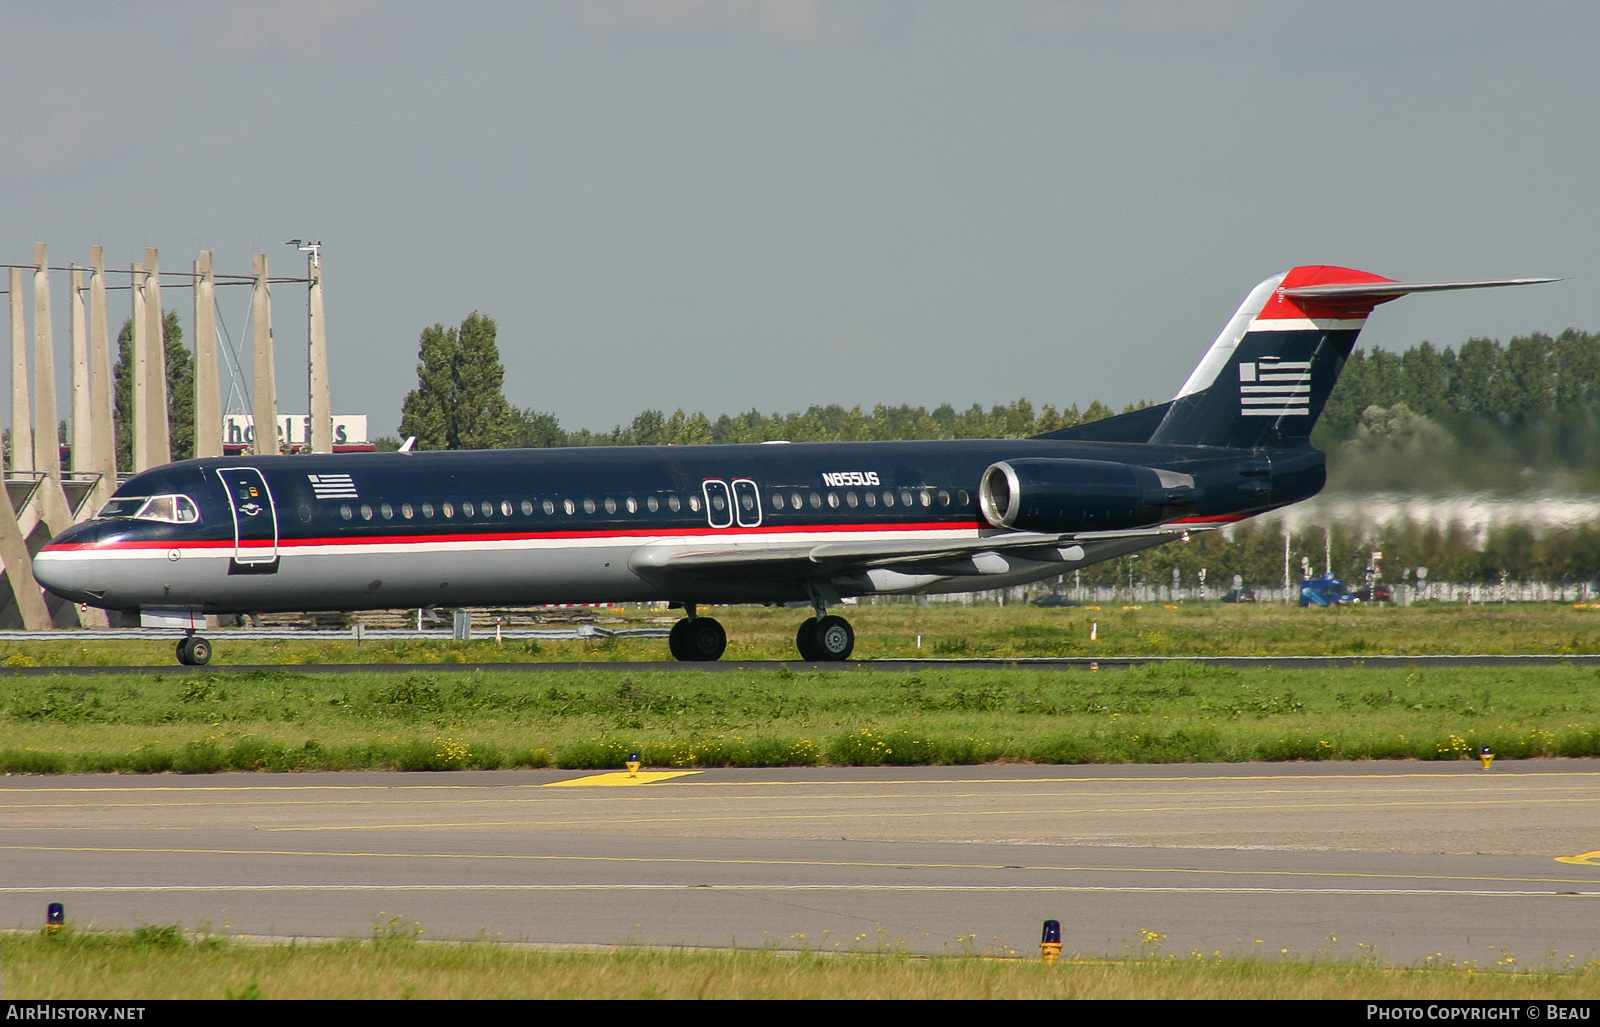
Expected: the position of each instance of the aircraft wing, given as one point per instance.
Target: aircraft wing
(755, 562)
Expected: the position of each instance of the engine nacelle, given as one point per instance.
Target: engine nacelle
(1082, 495)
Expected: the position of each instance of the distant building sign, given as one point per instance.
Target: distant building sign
(294, 430)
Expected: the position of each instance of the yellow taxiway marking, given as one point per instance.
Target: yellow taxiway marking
(871, 782)
(621, 778)
(876, 815)
(855, 864)
(212, 802)
(1583, 859)
(526, 793)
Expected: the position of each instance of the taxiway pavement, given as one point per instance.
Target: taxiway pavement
(1406, 861)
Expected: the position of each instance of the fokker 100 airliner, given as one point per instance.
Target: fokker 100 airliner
(805, 523)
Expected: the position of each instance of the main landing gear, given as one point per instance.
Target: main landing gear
(697, 639)
(194, 651)
(821, 639)
(824, 638)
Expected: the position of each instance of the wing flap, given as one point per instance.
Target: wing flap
(797, 562)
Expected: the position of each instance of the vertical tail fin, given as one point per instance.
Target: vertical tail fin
(1266, 379)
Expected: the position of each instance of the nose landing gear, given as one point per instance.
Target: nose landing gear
(194, 650)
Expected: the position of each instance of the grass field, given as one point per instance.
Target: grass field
(1176, 712)
(892, 630)
(165, 963)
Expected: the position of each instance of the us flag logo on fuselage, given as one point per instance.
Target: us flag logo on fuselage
(333, 486)
(1270, 387)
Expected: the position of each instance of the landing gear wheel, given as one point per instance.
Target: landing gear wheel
(805, 640)
(834, 638)
(697, 641)
(825, 640)
(675, 641)
(194, 651)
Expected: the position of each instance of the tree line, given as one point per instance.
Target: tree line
(459, 403)
(1534, 401)
(1521, 416)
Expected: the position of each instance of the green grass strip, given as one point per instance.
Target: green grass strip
(1169, 713)
(165, 962)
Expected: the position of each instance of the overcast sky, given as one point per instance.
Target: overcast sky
(726, 204)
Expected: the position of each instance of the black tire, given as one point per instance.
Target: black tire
(705, 640)
(194, 651)
(677, 641)
(805, 640)
(833, 638)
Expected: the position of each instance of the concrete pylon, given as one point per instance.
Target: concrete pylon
(321, 397)
(13, 546)
(83, 421)
(21, 405)
(82, 412)
(103, 443)
(141, 372)
(46, 430)
(155, 337)
(207, 399)
(19, 571)
(53, 507)
(266, 397)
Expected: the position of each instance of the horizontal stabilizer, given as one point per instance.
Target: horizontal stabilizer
(1383, 291)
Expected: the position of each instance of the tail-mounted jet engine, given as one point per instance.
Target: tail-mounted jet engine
(1082, 495)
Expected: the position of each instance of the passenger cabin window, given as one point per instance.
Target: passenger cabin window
(175, 509)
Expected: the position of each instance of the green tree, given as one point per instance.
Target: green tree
(458, 402)
(536, 430)
(180, 391)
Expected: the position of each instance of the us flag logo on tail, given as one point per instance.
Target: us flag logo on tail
(333, 486)
(1270, 387)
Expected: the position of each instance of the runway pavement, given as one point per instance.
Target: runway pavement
(1404, 860)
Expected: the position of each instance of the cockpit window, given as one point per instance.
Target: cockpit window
(123, 506)
(176, 509)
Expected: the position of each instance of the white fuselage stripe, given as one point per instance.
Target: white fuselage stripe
(731, 539)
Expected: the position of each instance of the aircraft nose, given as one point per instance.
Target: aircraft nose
(63, 572)
(65, 568)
